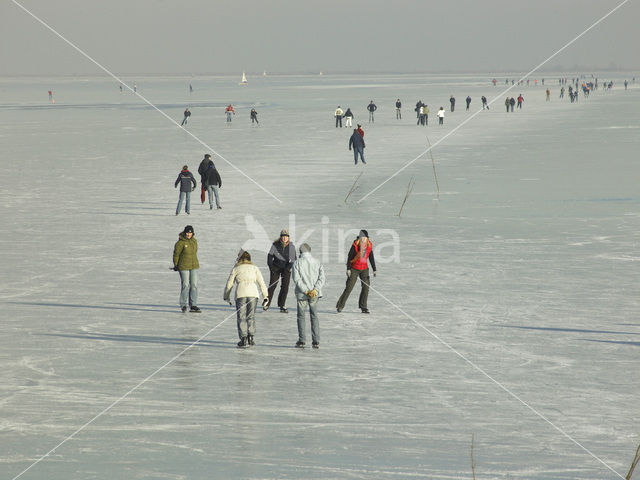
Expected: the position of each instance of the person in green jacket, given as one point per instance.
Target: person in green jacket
(185, 262)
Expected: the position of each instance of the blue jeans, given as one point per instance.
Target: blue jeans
(356, 151)
(187, 207)
(315, 324)
(228, 116)
(246, 313)
(189, 288)
(213, 188)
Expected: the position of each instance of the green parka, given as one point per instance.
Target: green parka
(185, 253)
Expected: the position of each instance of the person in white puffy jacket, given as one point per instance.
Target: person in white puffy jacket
(245, 275)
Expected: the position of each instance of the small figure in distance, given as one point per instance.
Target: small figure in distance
(187, 114)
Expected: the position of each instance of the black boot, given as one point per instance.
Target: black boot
(250, 339)
(242, 342)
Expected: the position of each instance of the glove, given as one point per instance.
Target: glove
(175, 268)
(348, 272)
(265, 301)
(312, 293)
(375, 274)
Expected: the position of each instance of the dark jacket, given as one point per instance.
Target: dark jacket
(348, 113)
(212, 177)
(202, 168)
(185, 179)
(280, 256)
(356, 141)
(372, 107)
(398, 104)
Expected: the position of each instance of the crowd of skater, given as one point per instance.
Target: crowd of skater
(286, 265)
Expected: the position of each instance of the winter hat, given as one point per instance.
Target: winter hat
(284, 232)
(184, 167)
(188, 229)
(363, 233)
(207, 155)
(305, 248)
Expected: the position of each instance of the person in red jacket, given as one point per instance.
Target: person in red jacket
(360, 255)
(229, 111)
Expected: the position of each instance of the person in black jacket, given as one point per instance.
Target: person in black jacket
(204, 165)
(372, 108)
(187, 114)
(280, 261)
(398, 111)
(357, 142)
(212, 182)
(452, 101)
(187, 185)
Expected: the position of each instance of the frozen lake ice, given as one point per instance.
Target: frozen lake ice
(508, 309)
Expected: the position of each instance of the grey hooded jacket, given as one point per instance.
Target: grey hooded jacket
(307, 274)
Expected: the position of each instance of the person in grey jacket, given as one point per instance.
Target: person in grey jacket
(187, 185)
(308, 278)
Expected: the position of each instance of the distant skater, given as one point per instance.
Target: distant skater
(187, 114)
(484, 103)
(357, 142)
(245, 275)
(308, 278)
(185, 262)
(441, 116)
(520, 100)
(371, 108)
(338, 114)
(348, 118)
(254, 116)
(398, 109)
(468, 100)
(360, 255)
(425, 113)
(507, 103)
(190, 88)
(135, 88)
(187, 185)
(548, 95)
(229, 111)
(512, 103)
(452, 101)
(51, 100)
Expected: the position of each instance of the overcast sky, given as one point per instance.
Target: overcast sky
(305, 36)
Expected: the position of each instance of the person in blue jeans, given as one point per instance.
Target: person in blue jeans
(308, 277)
(187, 185)
(357, 142)
(185, 262)
(213, 182)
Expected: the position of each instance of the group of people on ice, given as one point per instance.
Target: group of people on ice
(210, 181)
(285, 266)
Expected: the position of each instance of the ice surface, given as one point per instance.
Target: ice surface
(527, 267)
